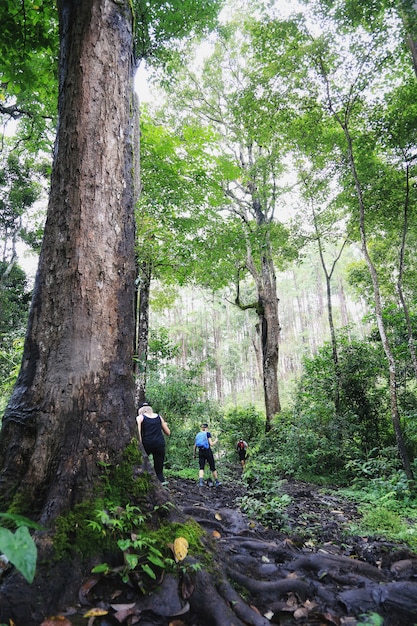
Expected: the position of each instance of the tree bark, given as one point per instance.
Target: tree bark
(145, 273)
(270, 330)
(73, 403)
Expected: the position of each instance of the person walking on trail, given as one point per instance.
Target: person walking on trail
(151, 427)
(203, 443)
(242, 448)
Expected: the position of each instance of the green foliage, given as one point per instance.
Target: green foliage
(19, 547)
(117, 486)
(14, 300)
(321, 440)
(124, 528)
(176, 393)
(14, 307)
(144, 551)
(28, 68)
(242, 422)
(161, 26)
(269, 510)
(160, 348)
(10, 360)
(370, 619)
(120, 483)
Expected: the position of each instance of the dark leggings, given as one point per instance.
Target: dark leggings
(205, 455)
(158, 454)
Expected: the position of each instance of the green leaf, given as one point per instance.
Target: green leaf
(101, 568)
(149, 571)
(20, 520)
(131, 560)
(156, 561)
(20, 549)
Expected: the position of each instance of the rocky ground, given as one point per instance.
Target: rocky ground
(306, 569)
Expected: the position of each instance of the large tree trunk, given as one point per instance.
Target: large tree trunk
(73, 404)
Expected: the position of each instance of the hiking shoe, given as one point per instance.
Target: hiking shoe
(217, 483)
(201, 482)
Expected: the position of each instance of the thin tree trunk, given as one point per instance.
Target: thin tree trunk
(379, 317)
(328, 276)
(410, 334)
(395, 417)
(142, 330)
(408, 12)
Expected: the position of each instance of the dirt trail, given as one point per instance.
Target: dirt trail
(312, 571)
(307, 570)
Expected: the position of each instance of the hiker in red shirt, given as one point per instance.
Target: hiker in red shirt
(241, 448)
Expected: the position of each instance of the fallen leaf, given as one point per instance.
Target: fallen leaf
(292, 600)
(301, 612)
(176, 622)
(310, 604)
(218, 516)
(122, 614)
(333, 619)
(265, 559)
(123, 607)
(180, 548)
(269, 615)
(95, 612)
(86, 588)
(216, 534)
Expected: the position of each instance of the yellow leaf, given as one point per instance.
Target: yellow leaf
(96, 612)
(216, 534)
(218, 516)
(180, 548)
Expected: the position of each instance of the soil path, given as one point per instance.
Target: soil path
(311, 571)
(305, 569)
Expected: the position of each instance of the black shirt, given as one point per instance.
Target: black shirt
(152, 436)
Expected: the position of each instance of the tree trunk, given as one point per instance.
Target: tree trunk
(143, 330)
(73, 404)
(410, 334)
(270, 330)
(402, 450)
(408, 12)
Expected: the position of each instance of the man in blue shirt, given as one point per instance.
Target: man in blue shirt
(203, 443)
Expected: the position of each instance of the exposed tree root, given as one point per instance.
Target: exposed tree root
(257, 578)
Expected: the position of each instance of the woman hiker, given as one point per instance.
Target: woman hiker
(151, 427)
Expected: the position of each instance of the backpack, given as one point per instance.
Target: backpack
(201, 440)
(241, 445)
